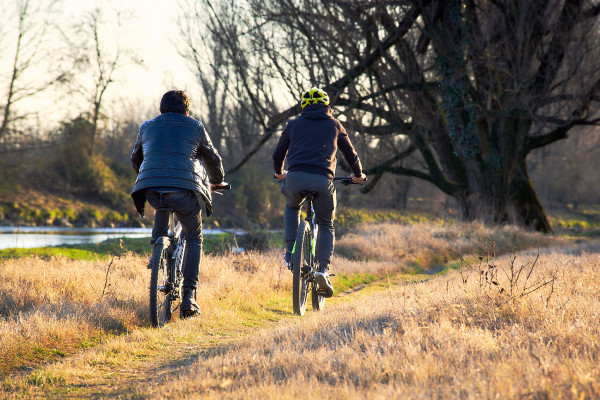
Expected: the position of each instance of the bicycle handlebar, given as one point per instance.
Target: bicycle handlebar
(222, 187)
(346, 180)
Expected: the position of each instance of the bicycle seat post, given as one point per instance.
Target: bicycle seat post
(309, 196)
(171, 224)
(171, 212)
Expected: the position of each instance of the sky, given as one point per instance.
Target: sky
(149, 29)
(148, 32)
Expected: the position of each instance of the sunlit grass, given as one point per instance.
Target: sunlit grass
(443, 338)
(399, 334)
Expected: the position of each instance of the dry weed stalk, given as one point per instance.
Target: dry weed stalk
(520, 280)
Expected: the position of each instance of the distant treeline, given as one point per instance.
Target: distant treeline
(452, 105)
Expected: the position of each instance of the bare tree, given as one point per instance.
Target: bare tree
(96, 57)
(238, 109)
(28, 58)
(457, 93)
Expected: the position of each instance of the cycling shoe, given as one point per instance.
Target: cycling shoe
(189, 307)
(324, 287)
(287, 259)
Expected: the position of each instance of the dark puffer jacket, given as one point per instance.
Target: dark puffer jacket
(174, 150)
(311, 141)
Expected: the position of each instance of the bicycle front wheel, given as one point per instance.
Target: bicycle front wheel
(160, 291)
(301, 260)
(318, 301)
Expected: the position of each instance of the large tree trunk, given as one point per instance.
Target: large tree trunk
(526, 203)
(516, 203)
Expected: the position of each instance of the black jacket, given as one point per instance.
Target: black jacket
(174, 150)
(310, 143)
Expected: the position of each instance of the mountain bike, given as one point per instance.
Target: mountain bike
(166, 277)
(304, 264)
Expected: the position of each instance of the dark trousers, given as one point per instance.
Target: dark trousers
(188, 212)
(324, 206)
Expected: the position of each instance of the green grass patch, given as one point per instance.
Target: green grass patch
(45, 353)
(577, 221)
(116, 247)
(48, 252)
(218, 243)
(26, 355)
(342, 282)
(453, 266)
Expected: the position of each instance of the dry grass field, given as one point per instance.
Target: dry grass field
(521, 323)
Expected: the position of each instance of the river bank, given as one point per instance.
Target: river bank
(33, 208)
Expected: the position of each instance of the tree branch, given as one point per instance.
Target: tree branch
(415, 87)
(335, 88)
(559, 133)
(551, 60)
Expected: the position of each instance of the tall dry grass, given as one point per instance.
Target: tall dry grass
(429, 244)
(444, 338)
(50, 308)
(53, 307)
(389, 248)
(407, 340)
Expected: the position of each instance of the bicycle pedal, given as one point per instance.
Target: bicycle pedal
(331, 274)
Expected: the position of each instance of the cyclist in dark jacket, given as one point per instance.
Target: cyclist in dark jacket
(310, 143)
(177, 167)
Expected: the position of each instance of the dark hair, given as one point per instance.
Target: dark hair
(175, 101)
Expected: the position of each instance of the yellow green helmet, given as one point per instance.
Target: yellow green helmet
(313, 96)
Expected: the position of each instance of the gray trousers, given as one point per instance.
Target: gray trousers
(324, 206)
(189, 214)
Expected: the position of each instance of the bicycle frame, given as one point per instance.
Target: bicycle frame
(174, 248)
(310, 218)
(175, 252)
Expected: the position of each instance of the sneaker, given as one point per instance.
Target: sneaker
(324, 287)
(189, 307)
(287, 259)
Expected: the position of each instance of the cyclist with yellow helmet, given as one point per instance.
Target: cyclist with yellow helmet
(309, 143)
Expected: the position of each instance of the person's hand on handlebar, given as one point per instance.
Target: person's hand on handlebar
(282, 175)
(218, 187)
(359, 179)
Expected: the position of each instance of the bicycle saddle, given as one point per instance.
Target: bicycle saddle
(163, 209)
(305, 193)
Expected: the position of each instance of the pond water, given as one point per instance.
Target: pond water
(35, 236)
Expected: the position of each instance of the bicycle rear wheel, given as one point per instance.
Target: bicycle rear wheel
(160, 291)
(301, 260)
